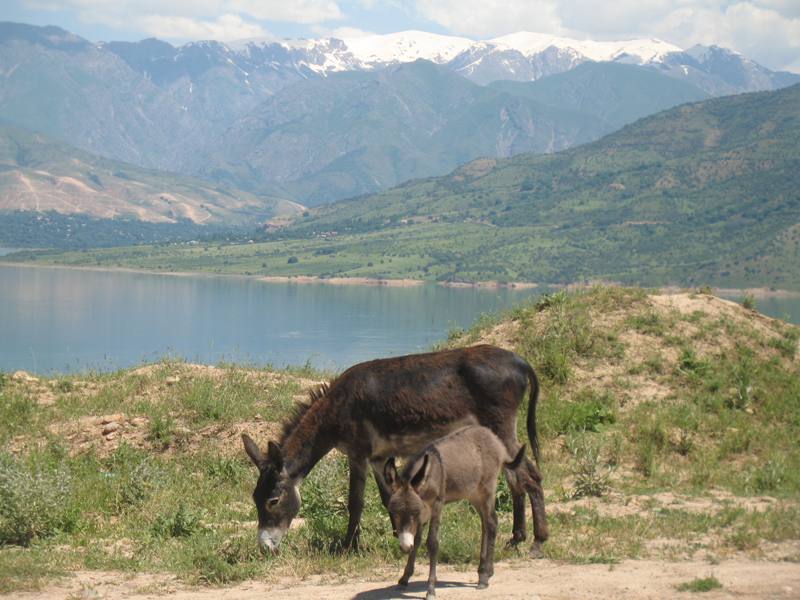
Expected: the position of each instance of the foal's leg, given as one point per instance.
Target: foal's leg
(433, 551)
(412, 556)
(355, 501)
(488, 537)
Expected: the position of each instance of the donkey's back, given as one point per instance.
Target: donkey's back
(411, 394)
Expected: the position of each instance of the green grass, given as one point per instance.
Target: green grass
(705, 584)
(174, 496)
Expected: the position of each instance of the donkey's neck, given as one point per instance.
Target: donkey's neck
(314, 435)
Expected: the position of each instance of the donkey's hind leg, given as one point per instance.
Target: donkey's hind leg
(531, 479)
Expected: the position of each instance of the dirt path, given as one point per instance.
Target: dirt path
(540, 580)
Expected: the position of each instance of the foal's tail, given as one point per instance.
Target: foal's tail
(514, 463)
(533, 398)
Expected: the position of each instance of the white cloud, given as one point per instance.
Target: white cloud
(196, 19)
(292, 11)
(488, 18)
(341, 32)
(224, 28)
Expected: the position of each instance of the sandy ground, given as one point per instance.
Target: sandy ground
(532, 580)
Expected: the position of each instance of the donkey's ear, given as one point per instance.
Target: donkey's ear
(253, 451)
(390, 473)
(275, 456)
(422, 473)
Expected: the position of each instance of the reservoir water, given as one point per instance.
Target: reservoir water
(64, 320)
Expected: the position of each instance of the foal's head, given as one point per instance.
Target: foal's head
(407, 506)
(276, 496)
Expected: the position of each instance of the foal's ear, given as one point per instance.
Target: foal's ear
(422, 473)
(253, 451)
(390, 473)
(275, 456)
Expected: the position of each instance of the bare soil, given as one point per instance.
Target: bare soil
(533, 580)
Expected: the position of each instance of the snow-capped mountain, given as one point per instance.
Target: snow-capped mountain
(521, 56)
(329, 55)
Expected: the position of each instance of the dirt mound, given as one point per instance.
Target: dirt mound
(647, 335)
(165, 407)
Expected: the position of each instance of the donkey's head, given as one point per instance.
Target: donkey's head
(407, 506)
(276, 495)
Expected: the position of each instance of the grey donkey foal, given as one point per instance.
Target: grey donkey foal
(463, 465)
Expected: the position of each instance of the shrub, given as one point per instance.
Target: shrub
(749, 302)
(587, 412)
(292, 260)
(161, 429)
(178, 523)
(706, 584)
(591, 477)
(34, 502)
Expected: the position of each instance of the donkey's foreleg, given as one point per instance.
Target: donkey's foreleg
(355, 501)
(383, 489)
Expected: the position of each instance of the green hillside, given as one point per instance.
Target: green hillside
(702, 193)
(615, 94)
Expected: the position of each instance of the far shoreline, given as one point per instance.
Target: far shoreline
(757, 292)
(295, 279)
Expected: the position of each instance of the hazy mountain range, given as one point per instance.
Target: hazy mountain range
(319, 120)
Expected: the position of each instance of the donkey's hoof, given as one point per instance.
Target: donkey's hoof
(403, 582)
(514, 542)
(536, 550)
(482, 585)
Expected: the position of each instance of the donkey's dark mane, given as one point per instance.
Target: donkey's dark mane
(315, 394)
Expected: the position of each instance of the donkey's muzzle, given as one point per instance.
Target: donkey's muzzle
(269, 540)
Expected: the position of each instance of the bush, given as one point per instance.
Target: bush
(34, 502)
(179, 523)
(706, 584)
(587, 412)
(292, 260)
(591, 476)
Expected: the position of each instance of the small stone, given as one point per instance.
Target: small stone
(111, 436)
(110, 428)
(115, 418)
(172, 380)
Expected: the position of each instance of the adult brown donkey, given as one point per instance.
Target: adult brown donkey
(395, 407)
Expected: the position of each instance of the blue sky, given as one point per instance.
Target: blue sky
(765, 30)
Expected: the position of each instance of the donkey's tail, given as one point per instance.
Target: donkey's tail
(533, 398)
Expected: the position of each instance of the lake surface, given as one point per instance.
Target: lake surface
(64, 320)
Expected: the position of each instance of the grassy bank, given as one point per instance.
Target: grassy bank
(668, 424)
